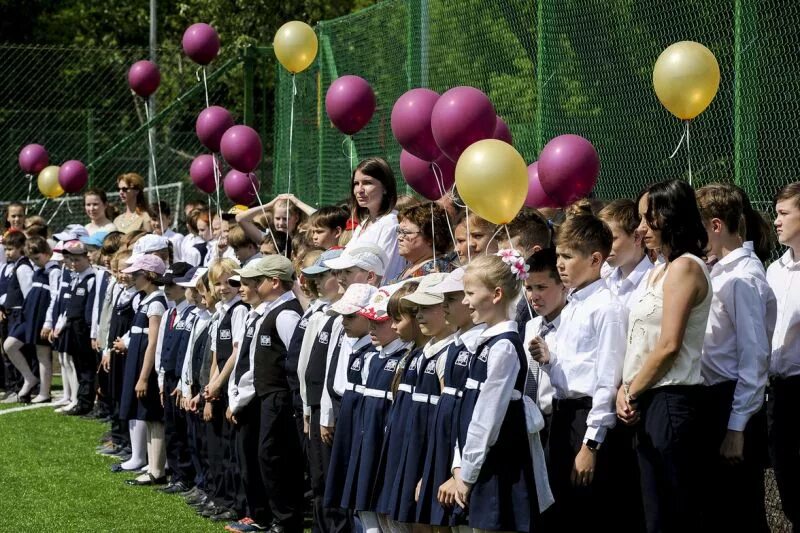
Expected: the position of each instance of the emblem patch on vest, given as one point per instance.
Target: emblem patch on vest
(225, 334)
(265, 340)
(303, 324)
(484, 355)
(356, 366)
(80, 291)
(323, 337)
(462, 359)
(430, 368)
(391, 365)
(251, 331)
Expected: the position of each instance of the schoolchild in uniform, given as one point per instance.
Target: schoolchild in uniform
(784, 277)
(243, 247)
(584, 364)
(48, 330)
(93, 243)
(19, 286)
(735, 363)
(141, 399)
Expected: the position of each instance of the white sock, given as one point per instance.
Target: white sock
(138, 432)
(62, 360)
(369, 521)
(156, 449)
(72, 375)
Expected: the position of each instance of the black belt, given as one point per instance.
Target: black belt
(584, 402)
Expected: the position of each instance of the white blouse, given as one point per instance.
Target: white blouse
(383, 233)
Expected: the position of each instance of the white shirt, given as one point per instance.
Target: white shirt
(238, 318)
(176, 239)
(587, 357)
(316, 319)
(188, 253)
(200, 327)
(383, 233)
(784, 277)
(739, 331)
(629, 290)
(239, 395)
(64, 277)
(212, 253)
(97, 303)
(544, 389)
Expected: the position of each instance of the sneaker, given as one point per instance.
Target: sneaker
(11, 398)
(245, 524)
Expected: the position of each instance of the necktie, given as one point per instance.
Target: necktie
(172, 314)
(534, 370)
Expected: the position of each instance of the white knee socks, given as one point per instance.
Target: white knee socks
(156, 449)
(138, 432)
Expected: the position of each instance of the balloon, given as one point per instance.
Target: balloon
(492, 179)
(144, 78)
(211, 124)
(462, 116)
(295, 46)
(420, 175)
(73, 176)
(411, 123)
(202, 173)
(48, 182)
(241, 147)
(350, 103)
(241, 187)
(201, 43)
(568, 168)
(536, 196)
(686, 78)
(33, 158)
(502, 132)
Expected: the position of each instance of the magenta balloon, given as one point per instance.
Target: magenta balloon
(202, 173)
(350, 103)
(419, 174)
(462, 116)
(411, 123)
(502, 132)
(568, 168)
(33, 158)
(144, 78)
(201, 43)
(211, 125)
(241, 147)
(536, 196)
(73, 176)
(241, 187)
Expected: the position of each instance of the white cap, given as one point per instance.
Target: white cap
(354, 299)
(425, 293)
(454, 282)
(72, 232)
(146, 245)
(367, 256)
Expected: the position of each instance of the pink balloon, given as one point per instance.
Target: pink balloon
(211, 125)
(536, 196)
(241, 187)
(33, 158)
(502, 132)
(411, 123)
(201, 43)
(462, 116)
(73, 176)
(568, 168)
(144, 78)
(241, 147)
(350, 103)
(420, 175)
(202, 173)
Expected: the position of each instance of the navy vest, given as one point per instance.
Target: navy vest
(243, 363)
(186, 326)
(225, 336)
(270, 357)
(14, 296)
(332, 367)
(315, 371)
(76, 306)
(199, 350)
(39, 297)
(172, 339)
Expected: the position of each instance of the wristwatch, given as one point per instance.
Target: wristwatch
(592, 444)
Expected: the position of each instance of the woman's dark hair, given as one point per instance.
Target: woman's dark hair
(672, 210)
(431, 219)
(379, 169)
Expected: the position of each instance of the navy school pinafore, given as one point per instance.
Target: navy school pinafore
(64, 296)
(36, 303)
(15, 301)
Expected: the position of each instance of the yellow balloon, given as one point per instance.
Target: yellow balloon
(48, 182)
(686, 78)
(295, 46)
(492, 179)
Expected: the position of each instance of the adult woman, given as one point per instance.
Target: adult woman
(95, 204)
(373, 196)
(423, 240)
(131, 193)
(662, 384)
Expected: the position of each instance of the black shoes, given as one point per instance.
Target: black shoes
(173, 488)
(147, 482)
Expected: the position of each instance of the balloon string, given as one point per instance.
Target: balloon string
(350, 154)
(680, 143)
(217, 178)
(433, 240)
(205, 85)
(688, 152)
(54, 212)
(41, 209)
(486, 251)
(440, 183)
(151, 144)
(469, 254)
(30, 187)
(289, 179)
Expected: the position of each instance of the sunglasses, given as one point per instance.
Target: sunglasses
(126, 189)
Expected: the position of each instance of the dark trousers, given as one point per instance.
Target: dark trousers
(672, 460)
(175, 430)
(247, 430)
(784, 441)
(326, 519)
(119, 428)
(198, 452)
(105, 403)
(281, 460)
(223, 467)
(85, 359)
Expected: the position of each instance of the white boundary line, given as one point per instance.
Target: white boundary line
(27, 407)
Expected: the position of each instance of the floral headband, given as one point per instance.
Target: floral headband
(516, 263)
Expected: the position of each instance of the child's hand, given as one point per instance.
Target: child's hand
(193, 403)
(56, 333)
(583, 470)
(416, 491)
(462, 489)
(176, 393)
(119, 346)
(212, 391)
(230, 417)
(732, 448)
(95, 346)
(326, 434)
(447, 493)
(46, 334)
(306, 424)
(141, 388)
(539, 351)
(207, 413)
(105, 362)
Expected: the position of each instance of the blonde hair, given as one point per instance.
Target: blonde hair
(494, 273)
(221, 267)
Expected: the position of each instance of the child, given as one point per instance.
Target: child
(460, 235)
(427, 389)
(326, 226)
(442, 438)
(493, 470)
(585, 368)
(482, 236)
(784, 369)
(243, 247)
(628, 266)
(140, 392)
(54, 311)
(20, 282)
(735, 362)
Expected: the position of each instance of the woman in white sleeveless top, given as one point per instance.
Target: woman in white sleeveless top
(662, 384)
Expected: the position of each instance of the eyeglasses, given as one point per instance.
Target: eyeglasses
(404, 233)
(126, 189)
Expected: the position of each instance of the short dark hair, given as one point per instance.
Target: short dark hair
(431, 219)
(789, 192)
(329, 216)
(531, 228)
(623, 212)
(585, 233)
(37, 245)
(36, 230)
(237, 238)
(379, 169)
(544, 260)
(672, 210)
(111, 243)
(14, 239)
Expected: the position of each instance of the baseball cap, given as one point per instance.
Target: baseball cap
(191, 278)
(148, 244)
(367, 256)
(271, 266)
(454, 282)
(95, 239)
(354, 299)
(233, 211)
(74, 247)
(320, 266)
(176, 270)
(148, 263)
(426, 293)
(377, 309)
(71, 232)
